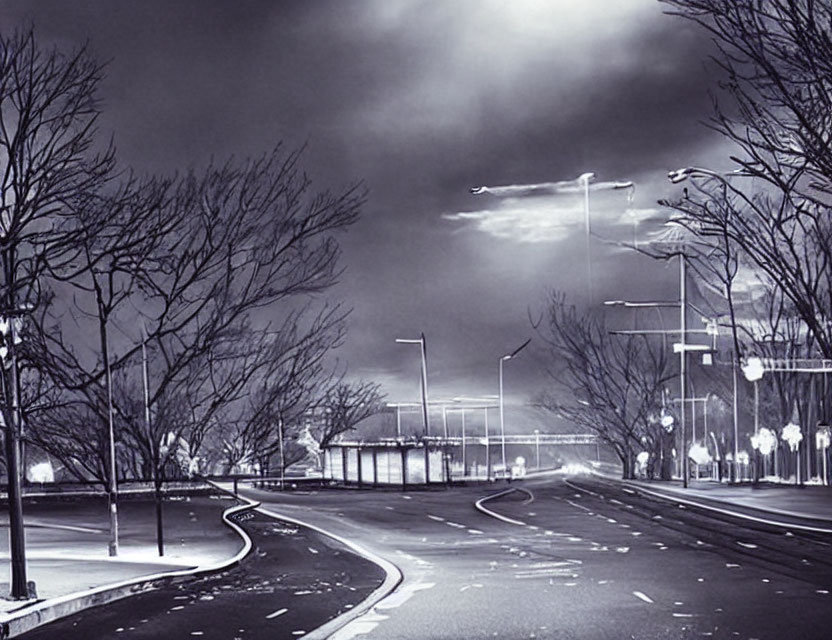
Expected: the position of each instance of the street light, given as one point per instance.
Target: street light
(537, 447)
(793, 435)
(502, 418)
(823, 438)
(421, 342)
(584, 183)
(680, 175)
(681, 348)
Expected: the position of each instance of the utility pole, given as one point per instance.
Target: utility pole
(12, 424)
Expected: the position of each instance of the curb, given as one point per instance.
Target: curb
(393, 578)
(26, 619)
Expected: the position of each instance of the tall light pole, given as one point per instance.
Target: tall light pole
(584, 179)
(9, 327)
(583, 184)
(537, 447)
(681, 348)
(421, 342)
(502, 416)
(680, 175)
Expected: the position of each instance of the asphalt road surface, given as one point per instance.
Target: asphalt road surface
(583, 559)
(293, 581)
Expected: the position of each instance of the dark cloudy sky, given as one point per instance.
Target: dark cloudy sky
(422, 99)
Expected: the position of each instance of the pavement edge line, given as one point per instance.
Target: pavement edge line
(28, 618)
(734, 514)
(478, 504)
(393, 578)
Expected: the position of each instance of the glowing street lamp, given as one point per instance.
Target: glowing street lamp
(823, 439)
(764, 441)
(793, 436)
(502, 418)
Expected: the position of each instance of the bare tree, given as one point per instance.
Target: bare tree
(271, 419)
(343, 406)
(776, 59)
(613, 384)
(48, 116)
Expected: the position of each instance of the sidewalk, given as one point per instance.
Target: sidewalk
(67, 543)
(809, 505)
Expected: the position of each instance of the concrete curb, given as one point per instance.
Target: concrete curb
(18, 622)
(479, 506)
(393, 577)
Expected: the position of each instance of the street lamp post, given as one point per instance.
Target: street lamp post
(584, 179)
(680, 175)
(537, 447)
(421, 342)
(9, 327)
(582, 184)
(681, 348)
(502, 417)
(753, 371)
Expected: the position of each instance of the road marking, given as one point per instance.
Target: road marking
(732, 565)
(642, 596)
(580, 506)
(682, 615)
(747, 545)
(274, 614)
(65, 527)
(479, 506)
(312, 550)
(456, 525)
(475, 532)
(437, 518)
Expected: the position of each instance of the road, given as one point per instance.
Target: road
(585, 559)
(294, 580)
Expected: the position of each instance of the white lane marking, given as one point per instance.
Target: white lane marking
(682, 615)
(479, 506)
(65, 527)
(274, 614)
(456, 525)
(312, 550)
(642, 596)
(402, 595)
(359, 627)
(731, 565)
(437, 518)
(747, 545)
(580, 506)
(475, 532)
